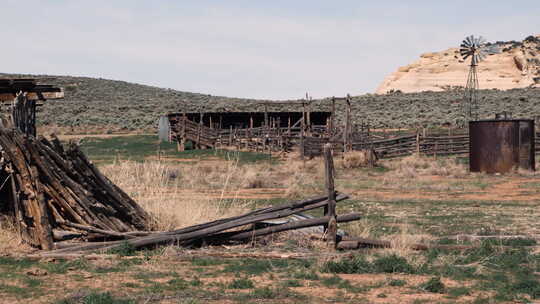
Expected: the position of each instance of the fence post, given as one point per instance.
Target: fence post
(346, 131)
(302, 148)
(330, 209)
(418, 143)
(332, 124)
(182, 142)
(289, 127)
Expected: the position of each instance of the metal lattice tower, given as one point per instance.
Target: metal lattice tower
(477, 49)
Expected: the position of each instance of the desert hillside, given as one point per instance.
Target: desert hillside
(94, 105)
(516, 66)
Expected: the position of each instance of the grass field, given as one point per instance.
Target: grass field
(405, 201)
(146, 147)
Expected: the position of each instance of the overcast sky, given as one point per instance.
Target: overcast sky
(276, 49)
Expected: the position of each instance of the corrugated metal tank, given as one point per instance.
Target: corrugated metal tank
(500, 146)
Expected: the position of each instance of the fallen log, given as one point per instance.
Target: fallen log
(251, 234)
(204, 230)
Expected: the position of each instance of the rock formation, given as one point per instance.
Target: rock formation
(516, 66)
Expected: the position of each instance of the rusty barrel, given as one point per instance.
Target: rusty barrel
(500, 146)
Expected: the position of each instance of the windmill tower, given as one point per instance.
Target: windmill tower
(477, 49)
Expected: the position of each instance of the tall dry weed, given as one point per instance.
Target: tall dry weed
(162, 190)
(414, 165)
(302, 178)
(357, 159)
(184, 194)
(10, 241)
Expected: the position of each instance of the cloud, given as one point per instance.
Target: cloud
(238, 48)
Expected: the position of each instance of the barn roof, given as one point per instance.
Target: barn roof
(9, 87)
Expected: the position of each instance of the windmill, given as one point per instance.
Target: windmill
(477, 50)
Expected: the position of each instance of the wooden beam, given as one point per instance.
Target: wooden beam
(330, 209)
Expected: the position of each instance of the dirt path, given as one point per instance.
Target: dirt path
(512, 189)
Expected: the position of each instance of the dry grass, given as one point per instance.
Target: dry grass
(302, 178)
(160, 189)
(413, 166)
(357, 159)
(177, 194)
(10, 241)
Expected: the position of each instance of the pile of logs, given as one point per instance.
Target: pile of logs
(54, 193)
(238, 229)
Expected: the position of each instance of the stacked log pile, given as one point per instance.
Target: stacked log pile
(53, 192)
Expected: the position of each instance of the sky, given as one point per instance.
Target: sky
(277, 49)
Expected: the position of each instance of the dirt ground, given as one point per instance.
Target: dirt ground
(402, 201)
(508, 188)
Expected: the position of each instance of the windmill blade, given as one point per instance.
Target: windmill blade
(465, 51)
(467, 41)
(466, 55)
(477, 42)
(470, 40)
(482, 53)
(481, 56)
(474, 41)
(481, 40)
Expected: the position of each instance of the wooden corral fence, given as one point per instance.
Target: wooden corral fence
(183, 129)
(310, 139)
(433, 145)
(537, 143)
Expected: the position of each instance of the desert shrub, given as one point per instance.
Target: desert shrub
(433, 285)
(392, 264)
(243, 283)
(356, 264)
(358, 159)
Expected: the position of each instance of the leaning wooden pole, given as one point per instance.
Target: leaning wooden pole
(332, 117)
(346, 132)
(330, 209)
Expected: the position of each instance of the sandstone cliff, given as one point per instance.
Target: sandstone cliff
(517, 66)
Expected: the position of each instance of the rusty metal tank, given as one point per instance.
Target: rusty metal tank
(500, 146)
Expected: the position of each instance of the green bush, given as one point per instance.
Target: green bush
(433, 285)
(357, 264)
(243, 283)
(392, 264)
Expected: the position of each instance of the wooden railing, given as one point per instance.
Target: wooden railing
(183, 129)
(403, 145)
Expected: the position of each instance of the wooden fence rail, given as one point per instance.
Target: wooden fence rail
(401, 146)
